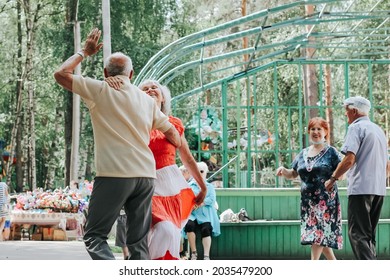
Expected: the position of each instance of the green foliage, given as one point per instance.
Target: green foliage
(141, 28)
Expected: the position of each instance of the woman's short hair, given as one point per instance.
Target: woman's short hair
(323, 123)
(166, 105)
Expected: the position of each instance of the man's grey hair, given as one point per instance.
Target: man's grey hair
(166, 105)
(361, 104)
(119, 64)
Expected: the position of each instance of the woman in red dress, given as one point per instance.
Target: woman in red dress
(173, 198)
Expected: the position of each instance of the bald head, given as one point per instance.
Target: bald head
(118, 64)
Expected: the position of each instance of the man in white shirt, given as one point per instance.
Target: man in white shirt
(125, 167)
(365, 150)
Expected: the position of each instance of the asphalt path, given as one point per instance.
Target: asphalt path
(45, 250)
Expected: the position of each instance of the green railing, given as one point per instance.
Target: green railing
(274, 229)
(264, 117)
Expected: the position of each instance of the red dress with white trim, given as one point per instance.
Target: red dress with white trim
(173, 198)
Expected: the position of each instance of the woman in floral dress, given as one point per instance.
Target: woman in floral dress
(320, 210)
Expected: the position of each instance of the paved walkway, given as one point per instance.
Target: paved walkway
(45, 250)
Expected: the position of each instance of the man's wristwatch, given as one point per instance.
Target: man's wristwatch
(81, 53)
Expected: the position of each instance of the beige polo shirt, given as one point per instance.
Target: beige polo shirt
(122, 121)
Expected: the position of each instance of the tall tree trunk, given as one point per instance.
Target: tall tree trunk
(19, 133)
(83, 163)
(83, 152)
(89, 160)
(26, 159)
(310, 78)
(74, 163)
(71, 11)
(31, 138)
(245, 39)
(328, 94)
(16, 133)
(106, 29)
(20, 157)
(51, 154)
(31, 16)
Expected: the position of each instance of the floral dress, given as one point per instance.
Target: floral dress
(172, 200)
(320, 209)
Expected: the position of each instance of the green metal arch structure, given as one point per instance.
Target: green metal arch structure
(246, 107)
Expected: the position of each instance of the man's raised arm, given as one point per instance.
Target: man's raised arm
(64, 74)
